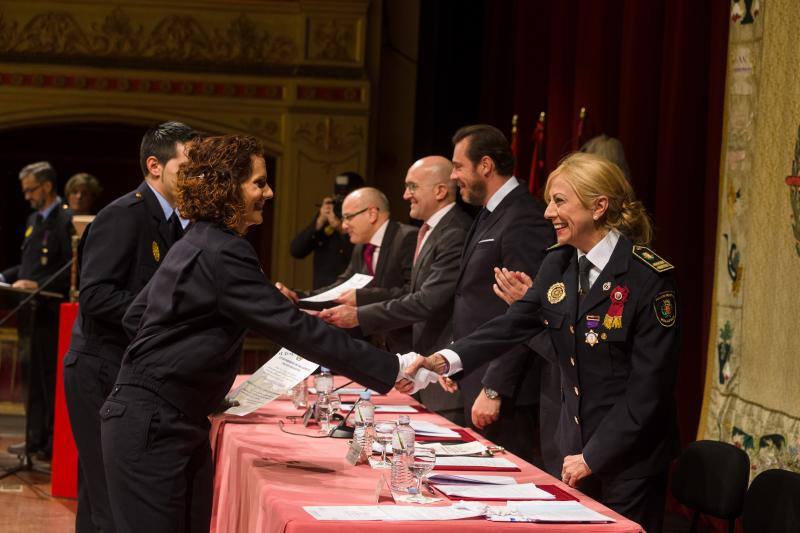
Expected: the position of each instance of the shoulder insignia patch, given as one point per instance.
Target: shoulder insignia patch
(665, 308)
(651, 259)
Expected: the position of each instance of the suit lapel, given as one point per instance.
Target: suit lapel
(385, 252)
(571, 286)
(601, 288)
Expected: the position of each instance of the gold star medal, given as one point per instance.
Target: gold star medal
(156, 252)
(556, 293)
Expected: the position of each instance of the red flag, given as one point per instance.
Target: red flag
(537, 160)
(515, 143)
(576, 142)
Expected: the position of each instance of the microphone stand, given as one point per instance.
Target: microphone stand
(342, 430)
(25, 460)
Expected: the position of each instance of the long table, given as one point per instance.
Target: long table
(265, 476)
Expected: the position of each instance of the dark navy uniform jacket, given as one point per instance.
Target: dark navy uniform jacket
(124, 246)
(617, 405)
(190, 320)
(46, 248)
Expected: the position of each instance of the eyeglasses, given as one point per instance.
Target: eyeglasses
(30, 190)
(412, 187)
(350, 216)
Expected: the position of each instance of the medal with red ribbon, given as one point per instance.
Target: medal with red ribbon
(618, 297)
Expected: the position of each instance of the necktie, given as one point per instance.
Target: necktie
(369, 248)
(423, 230)
(175, 228)
(584, 266)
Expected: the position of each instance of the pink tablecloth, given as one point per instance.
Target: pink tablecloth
(256, 489)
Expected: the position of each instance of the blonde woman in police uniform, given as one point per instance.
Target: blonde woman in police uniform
(609, 306)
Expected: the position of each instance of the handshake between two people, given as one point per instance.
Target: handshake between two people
(419, 372)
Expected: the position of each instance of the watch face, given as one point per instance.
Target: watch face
(491, 394)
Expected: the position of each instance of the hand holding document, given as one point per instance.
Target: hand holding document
(285, 370)
(358, 281)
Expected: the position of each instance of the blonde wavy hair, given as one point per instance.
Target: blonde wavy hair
(592, 176)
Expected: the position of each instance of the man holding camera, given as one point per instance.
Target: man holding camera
(324, 237)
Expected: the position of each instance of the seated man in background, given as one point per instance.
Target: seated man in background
(325, 237)
(383, 249)
(428, 308)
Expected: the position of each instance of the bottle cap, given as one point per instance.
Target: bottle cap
(365, 395)
(403, 419)
(323, 369)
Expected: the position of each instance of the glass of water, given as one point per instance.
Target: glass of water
(383, 436)
(420, 467)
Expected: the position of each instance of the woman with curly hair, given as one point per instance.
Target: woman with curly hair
(608, 305)
(188, 324)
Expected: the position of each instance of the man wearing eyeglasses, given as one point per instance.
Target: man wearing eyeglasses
(46, 247)
(384, 249)
(428, 307)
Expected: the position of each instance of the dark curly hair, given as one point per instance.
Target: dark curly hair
(208, 185)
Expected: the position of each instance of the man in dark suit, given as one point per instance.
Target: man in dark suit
(428, 308)
(501, 397)
(383, 249)
(45, 249)
(124, 246)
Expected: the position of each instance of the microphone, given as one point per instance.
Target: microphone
(342, 430)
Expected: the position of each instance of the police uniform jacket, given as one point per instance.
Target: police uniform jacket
(47, 246)
(190, 320)
(617, 398)
(123, 248)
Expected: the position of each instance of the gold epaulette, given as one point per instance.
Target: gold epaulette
(651, 259)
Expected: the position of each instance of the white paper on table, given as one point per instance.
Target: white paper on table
(429, 429)
(558, 511)
(285, 370)
(521, 491)
(439, 478)
(357, 281)
(391, 512)
(475, 462)
(445, 450)
(352, 390)
(383, 408)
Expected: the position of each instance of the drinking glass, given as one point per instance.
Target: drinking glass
(383, 436)
(420, 467)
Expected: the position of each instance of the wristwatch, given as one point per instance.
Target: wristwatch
(491, 393)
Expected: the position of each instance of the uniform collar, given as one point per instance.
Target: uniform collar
(168, 209)
(600, 254)
(49, 209)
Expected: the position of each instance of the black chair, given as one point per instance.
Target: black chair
(710, 477)
(773, 503)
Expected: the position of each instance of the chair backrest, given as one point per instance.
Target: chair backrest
(711, 477)
(773, 503)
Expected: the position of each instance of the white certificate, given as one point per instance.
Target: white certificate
(559, 511)
(285, 370)
(392, 512)
(358, 281)
(521, 491)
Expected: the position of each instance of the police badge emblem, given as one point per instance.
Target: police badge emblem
(664, 306)
(556, 293)
(156, 252)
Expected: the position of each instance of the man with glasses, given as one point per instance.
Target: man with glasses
(428, 308)
(46, 247)
(383, 249)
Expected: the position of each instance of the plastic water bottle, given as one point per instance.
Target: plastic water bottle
(364, 414)
(402, 455)
(323, 381)
(300, 395)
